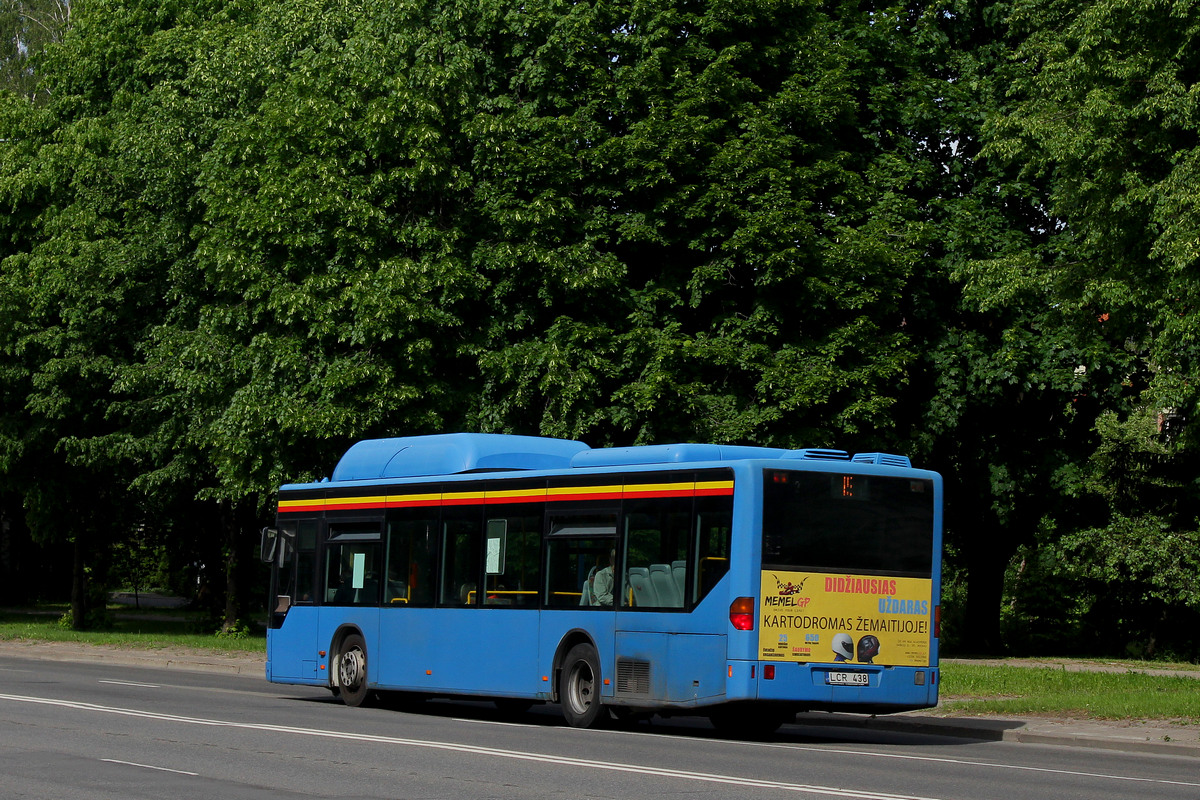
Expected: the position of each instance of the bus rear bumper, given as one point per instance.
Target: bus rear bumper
(846, 687)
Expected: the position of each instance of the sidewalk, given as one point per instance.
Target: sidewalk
(1139, 736)
(181, 659)
(1133, 736)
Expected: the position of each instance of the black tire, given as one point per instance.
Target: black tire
(351, 671)
(579, 687)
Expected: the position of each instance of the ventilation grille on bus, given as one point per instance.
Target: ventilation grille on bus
(884, 459)
(633, 677)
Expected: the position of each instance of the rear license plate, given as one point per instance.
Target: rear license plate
(846, 678)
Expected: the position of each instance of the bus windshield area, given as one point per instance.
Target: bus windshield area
(840, 522)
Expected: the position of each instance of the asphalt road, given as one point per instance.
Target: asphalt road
(81, 731)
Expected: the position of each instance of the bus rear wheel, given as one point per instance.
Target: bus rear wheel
(352, 671)
(579, 687)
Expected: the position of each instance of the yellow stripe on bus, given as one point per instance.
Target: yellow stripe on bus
(556, 491)
(505, 494)
(414, 498)
(643, 488)
(287, 504)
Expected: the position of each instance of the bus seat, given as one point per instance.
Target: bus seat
(369, 593)
(664, 586)
(585, 597)
(643, 591)
(679, 573)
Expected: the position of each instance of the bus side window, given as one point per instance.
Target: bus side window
(352, 577)
(656, 543)
(714, 521)
(306, 561)
(579, 548)
(513, 553)
(412, 558)
(352, 564)
(462, 555)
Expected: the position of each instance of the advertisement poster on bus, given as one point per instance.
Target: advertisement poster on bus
(859, 619)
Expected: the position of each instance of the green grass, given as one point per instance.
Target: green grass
(149, 630)
(987, 689)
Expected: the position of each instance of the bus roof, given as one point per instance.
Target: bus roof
(457, 453)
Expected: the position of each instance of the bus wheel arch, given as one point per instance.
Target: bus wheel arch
(348, 667)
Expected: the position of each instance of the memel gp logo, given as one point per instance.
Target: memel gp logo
(859, 619)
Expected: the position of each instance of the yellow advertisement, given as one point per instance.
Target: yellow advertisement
(856, 619)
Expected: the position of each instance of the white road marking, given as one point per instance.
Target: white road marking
(150, 766)
(131, 683)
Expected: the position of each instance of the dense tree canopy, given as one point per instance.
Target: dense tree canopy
(238, 236)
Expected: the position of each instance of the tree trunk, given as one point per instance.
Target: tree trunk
(232, 606)
(79, 599)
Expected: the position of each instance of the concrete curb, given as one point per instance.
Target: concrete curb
(1134, 737)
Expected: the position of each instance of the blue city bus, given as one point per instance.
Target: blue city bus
(741, 583)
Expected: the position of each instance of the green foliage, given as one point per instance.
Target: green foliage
(1124, 584)
(92, 614)
(1104, 113)
(700, 224)
(237, 236)
(236, 630)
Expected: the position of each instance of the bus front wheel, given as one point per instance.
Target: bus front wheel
(579, 687)
(352, 671)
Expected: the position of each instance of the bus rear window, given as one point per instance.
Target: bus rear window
(836, 522)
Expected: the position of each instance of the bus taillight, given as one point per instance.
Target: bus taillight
(741, 613)
(937, 622)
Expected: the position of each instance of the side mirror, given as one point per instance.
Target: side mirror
(268, 545)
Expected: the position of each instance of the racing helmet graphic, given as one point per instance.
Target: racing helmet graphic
(843, 646)
(868, 648)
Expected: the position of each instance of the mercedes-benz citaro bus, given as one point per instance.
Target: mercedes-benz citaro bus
(741, 583)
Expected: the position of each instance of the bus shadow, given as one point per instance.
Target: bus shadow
(808, 728)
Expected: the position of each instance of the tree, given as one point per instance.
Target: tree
(1120, 581)
(1091, 134)
(1108, 112)
(700, 223)
(26, 27)
(81, 287)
